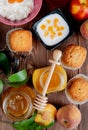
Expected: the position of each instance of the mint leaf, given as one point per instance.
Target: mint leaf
(1, 86)
(18, 77)
(18, 84)
(25, 124)
(4, 63)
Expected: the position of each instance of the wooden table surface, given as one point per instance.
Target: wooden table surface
(57, 98)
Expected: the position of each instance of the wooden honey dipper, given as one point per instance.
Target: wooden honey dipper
(41, 100)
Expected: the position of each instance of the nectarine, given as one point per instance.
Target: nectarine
(84, 29)
(69, 116)
(79, 9)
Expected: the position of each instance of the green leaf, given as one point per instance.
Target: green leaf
(18, 77)
(19, 128)
(33, 125)
(4, 63)
(18, 84)
(1, 86)
(39, 127)
(15, 124)
(24, 123)
(28, 122)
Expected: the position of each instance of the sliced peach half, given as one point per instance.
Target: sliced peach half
(46, 116)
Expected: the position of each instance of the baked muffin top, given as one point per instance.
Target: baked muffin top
(78, 89)
(20, 40)
(74, 56)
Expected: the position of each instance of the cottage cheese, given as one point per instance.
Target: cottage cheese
(16, 10)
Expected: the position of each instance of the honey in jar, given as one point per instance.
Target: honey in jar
(17, 103)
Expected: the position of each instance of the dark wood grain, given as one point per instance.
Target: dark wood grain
(39, 58)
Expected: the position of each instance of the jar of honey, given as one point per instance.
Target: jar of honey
(17, 103)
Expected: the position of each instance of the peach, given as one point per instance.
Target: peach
(46, 116)
(69, 116)
(79, 9)
(84, 29)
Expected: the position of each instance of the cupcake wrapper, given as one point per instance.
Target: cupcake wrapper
(8, 44)
(7, 37)
(68, 96)
(68, 67)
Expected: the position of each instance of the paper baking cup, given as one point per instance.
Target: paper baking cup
(8, 42)
(69, 67)
(7, 38)
(68, 95)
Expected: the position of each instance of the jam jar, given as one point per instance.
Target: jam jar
(17, 103)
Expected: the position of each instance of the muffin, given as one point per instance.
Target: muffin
(19, 40)
(77, 89)
(73, 56)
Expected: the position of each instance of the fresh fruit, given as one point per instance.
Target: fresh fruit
(84, 29)
(30, 124)
(58, 81)
(69, 116)
(79, 9)
(46, 116)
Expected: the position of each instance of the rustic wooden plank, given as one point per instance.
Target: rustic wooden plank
(3, 31)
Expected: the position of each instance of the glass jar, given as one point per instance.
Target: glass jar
(17, 103)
